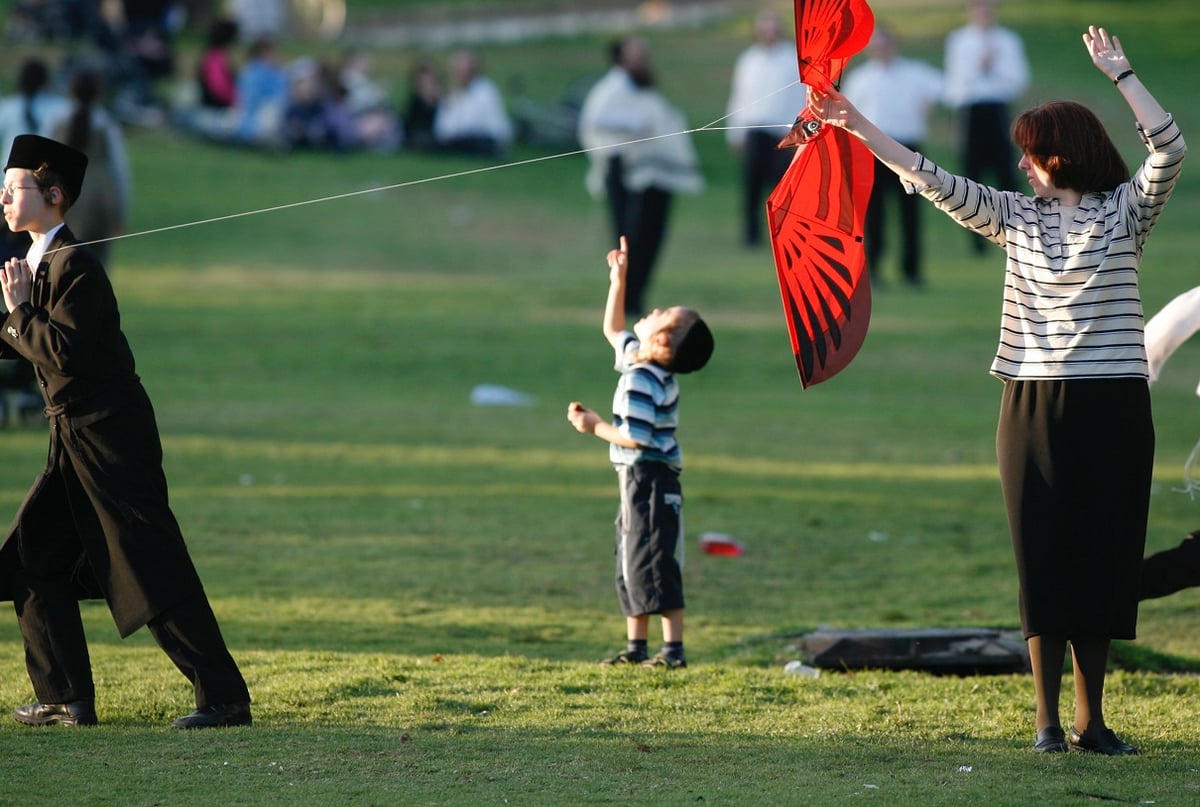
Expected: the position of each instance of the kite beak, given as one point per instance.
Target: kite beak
(803, 130)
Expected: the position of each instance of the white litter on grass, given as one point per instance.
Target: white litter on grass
(497, 395)
(965, 769)
(801, 669)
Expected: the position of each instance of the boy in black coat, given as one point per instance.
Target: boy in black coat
(97, 522)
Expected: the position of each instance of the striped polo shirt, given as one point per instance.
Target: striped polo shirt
(645, 408)
(1072, 308)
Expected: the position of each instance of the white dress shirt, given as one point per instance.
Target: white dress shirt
(896, 95)
(37, 250)
(476, 110)
(766, 91)
(984, 65)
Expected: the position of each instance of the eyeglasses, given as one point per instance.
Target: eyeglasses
(11, 190)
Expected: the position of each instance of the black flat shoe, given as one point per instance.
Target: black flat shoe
(1050, 740)
(1108, 743)
(75, 713)
(217, 716)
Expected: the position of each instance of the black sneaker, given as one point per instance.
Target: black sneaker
(666, 662)
(625, 657)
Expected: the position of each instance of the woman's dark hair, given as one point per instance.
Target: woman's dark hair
(85, 90)
(1069, 142)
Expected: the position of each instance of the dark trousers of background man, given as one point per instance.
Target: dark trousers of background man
(763, 166)
(888, 192)
(640, 216)
(987, 153)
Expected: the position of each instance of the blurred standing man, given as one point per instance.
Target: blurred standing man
(986, 70)
(764, 101)
(640, 156)
(897, 93)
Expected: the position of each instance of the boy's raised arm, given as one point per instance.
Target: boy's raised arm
(614, 308)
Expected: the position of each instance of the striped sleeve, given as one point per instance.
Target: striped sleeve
(1151, 186)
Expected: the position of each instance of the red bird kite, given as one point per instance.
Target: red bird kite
(816, 211)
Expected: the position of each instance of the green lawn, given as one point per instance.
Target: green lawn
(418, 588)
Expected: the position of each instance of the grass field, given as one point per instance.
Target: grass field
(418, 587)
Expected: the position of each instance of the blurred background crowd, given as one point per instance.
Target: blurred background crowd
(241, 90)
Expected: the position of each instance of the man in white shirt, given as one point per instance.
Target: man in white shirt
(472, 118)
(898, 94)
(639, 156)
(986, 70)
(766, 96)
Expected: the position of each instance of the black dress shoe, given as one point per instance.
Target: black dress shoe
(217, 716)
(1050, 740)
(1108, 743)
(75, 713)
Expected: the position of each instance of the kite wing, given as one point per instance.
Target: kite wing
(828, 33)
(816, 211)
(816, 217)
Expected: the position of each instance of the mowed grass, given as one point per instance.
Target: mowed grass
(418, 587)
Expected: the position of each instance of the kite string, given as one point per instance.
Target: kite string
(709, 127)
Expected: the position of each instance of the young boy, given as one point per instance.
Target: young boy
(97, 522)
(643, 449)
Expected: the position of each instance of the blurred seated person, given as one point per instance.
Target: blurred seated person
(262, 92)
(424, 93)
(217, 75)
(317, 116)
(376, 124)
(136, 40)
(472, 118)
(208, 105)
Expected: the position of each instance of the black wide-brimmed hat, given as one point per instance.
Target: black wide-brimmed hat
(31, 151)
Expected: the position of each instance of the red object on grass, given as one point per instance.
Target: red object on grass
(715, 543)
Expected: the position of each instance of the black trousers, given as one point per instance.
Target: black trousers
(763, 166)
(887, 192)
(56, 652)
(987, 153)
(641, 216)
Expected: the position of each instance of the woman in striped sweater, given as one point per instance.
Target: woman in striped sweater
(1075, 441)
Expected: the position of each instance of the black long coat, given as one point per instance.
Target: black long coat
(99, 511)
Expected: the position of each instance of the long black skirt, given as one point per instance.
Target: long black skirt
(1076, 459)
